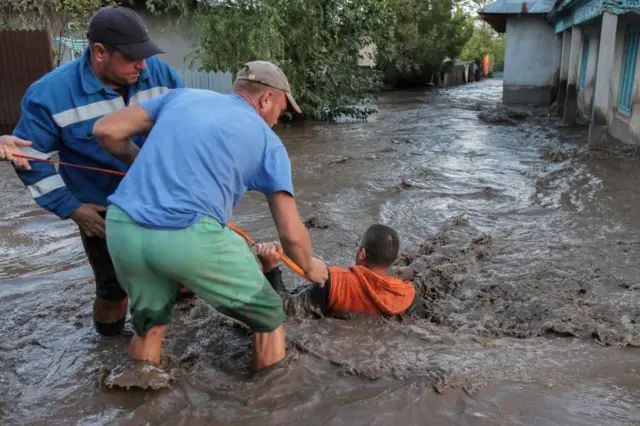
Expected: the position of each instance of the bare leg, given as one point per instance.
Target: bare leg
(268, 348)
(147, 348)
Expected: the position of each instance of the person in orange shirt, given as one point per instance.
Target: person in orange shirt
(364, 287)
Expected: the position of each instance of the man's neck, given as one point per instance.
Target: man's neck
(377, 270)
(248, 98)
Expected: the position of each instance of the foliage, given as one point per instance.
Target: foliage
(424, 34)
(484, 41)
(315, 42)
(499, 45)
(63, 18)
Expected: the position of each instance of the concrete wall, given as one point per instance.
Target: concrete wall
(623, 128)
(173, 36)
(557, 61)
(585, 97)
(530, 58)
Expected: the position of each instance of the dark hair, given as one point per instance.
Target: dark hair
(381, 244)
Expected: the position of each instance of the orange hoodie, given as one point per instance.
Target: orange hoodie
(361, 290)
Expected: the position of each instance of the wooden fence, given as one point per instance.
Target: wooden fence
(25, 56)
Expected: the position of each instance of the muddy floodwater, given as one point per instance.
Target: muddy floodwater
(524, 244)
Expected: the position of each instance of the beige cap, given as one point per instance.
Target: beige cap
(269, 74)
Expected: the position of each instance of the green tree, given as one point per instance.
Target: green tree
(484, 41)
(316, 43)
(499, 46)
(424, 34)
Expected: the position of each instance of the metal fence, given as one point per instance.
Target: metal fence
(217, 81)
(25, 56)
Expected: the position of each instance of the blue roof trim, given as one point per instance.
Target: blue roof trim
(562, 14)
(576, 12)
(510, 7)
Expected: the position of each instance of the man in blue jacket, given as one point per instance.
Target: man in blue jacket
(58, 113)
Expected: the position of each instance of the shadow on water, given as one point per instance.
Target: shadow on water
(563, 263)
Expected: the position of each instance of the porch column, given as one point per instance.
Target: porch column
(598, 134)
(557, 63)
(571, 101)
(564, 71)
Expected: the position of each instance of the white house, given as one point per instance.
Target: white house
(581, 53)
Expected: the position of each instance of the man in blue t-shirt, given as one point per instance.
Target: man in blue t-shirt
(167, 222)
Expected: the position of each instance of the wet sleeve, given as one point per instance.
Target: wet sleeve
(313, 300)
(275, 173)
(274, 277)
(43, 181)
(418, 308)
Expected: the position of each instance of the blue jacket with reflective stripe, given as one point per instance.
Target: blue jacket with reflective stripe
(58, 114)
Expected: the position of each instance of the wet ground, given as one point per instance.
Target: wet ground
(522, 242)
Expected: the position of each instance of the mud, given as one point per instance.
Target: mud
(315, 220)
(553, 301)
(504, 115)
(140, 374)
(528, 262)
(340, 160)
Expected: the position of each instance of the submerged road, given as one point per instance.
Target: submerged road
(538, 324)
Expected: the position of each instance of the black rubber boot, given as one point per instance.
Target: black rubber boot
(111, 328)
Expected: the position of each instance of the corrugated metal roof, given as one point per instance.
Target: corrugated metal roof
(519, 6)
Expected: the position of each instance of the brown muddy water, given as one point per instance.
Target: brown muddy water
(524, 244)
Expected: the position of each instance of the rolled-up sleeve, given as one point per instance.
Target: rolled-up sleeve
(275, 172)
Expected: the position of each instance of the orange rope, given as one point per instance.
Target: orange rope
(96, 169)
(286, 259)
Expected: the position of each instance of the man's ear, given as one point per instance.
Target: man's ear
(362, 255)
(264, 98)
(99, 51)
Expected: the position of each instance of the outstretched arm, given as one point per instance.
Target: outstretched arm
(313, 299)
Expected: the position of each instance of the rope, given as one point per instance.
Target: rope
(286, 259)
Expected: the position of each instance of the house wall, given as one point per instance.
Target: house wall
(585, 97)
(530, 58)
(173, 36)
(557, 61)
(623, 128)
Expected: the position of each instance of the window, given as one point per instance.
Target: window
(585, 62)
(628, 72)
